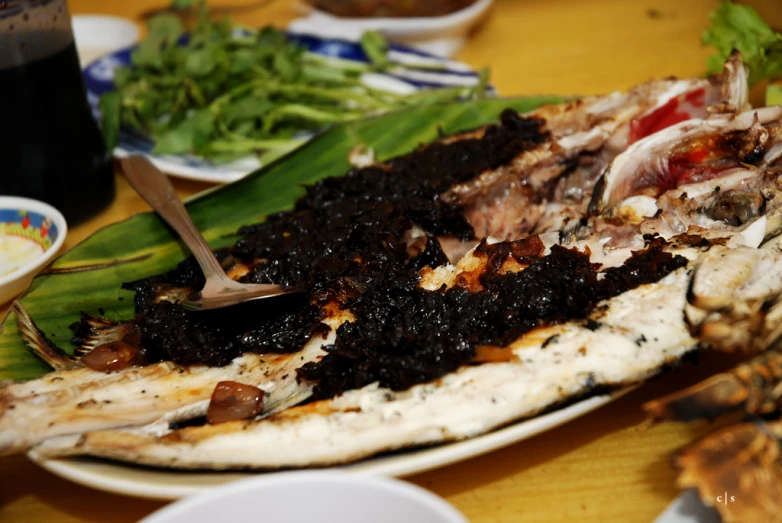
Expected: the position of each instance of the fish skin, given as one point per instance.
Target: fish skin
(82, 399)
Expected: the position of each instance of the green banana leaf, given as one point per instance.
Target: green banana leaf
(89, 276)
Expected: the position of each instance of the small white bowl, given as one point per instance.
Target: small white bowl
(307, 497)
(438, 35)
(31, 234)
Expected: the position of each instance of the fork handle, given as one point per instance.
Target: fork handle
(155, 188)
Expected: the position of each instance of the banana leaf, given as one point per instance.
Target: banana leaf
(89, 276)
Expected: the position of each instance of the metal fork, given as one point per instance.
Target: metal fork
(219, 290)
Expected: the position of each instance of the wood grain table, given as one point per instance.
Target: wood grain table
(606, 466)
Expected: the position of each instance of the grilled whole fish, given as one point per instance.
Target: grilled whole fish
(348, 242)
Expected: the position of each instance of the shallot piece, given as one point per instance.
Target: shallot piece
(234, 401)
(112, 357)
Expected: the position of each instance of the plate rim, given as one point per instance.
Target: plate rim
(411, 462)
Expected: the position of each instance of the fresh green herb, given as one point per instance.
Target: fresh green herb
(225, 91)
(376, 48)
(110, 121)
(740, 27)
(774, 94)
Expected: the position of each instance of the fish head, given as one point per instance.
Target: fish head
(717, 174)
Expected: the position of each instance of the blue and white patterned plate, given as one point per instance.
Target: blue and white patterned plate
(99, 79)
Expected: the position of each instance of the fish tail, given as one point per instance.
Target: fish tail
(92, 331)
(39, 344)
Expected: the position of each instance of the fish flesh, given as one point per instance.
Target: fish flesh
(735, 300)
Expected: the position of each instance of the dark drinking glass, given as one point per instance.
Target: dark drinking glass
(50, 146)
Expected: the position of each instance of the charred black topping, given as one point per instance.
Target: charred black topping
(345, 234)
(414, 182)
(404, 335)
(320, 249)
(215, 337)
(431, 256)
(347, 242)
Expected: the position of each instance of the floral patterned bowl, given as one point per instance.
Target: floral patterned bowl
(31, 234)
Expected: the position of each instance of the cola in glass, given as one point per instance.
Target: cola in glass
(51, 148)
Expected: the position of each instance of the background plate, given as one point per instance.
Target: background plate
(99, 79)
(153, 483)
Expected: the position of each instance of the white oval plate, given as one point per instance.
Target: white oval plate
(153, 483)
(99, 79)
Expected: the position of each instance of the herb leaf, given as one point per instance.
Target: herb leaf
(376, 48)
(740, 27)
(202, 61)
(110, 118)
(774, 94)
(190, 135)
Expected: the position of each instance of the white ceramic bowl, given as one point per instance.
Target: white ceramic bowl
(31, 234)
(439, 35)
(308, 497)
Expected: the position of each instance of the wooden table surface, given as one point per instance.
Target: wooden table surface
(605, 466)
